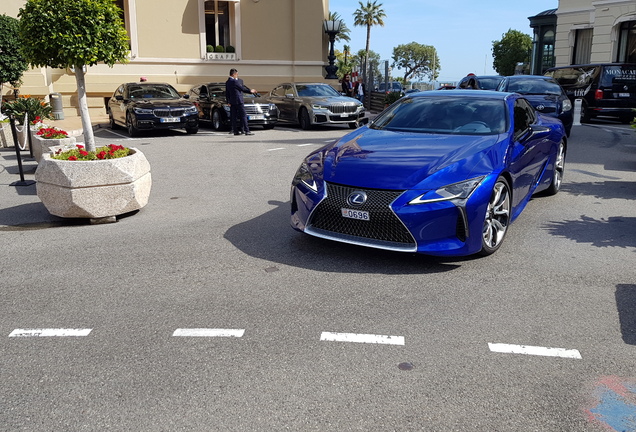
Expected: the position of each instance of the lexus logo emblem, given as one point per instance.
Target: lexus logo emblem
(625, 88)
(357, 198)
(540, 107)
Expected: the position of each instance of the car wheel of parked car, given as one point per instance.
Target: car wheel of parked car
(559, 168)
(303, 119)
(132, 130)
(111, 120)
(497, 218)
(215, 118)
(192, 130)
(268, 126)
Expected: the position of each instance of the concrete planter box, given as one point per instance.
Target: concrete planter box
(6, 135)
(42, 146)
(97, 190)
(219, 56)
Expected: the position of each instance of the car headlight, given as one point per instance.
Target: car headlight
(460, 191)
(273, 107)
(567, 106)
(142, 110)
(304, 175)
(191, 110)
(318, 107)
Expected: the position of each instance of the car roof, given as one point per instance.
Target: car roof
(539, 77)
(462, 93)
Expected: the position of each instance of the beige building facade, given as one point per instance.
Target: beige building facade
(272, 41)
(595, 31)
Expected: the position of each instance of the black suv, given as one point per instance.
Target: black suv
(212, 106)
(606, 89)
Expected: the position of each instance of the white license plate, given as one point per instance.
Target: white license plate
(623, 95)
(256, 117)
(355, 214)
(344, 115)
(170, 119)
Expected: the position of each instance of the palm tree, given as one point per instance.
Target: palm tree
(369, 15)
(346, 50)
(343, 35)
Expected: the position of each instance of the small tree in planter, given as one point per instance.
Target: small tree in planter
(12, 62)
(73, 34)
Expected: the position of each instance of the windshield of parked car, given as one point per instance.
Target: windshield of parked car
(152, 91)
(320, 90)
(534, 87)
(444, 115)
(489, 83)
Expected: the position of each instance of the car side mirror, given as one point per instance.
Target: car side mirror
(289, 96)
(119, 98)
(186, 96)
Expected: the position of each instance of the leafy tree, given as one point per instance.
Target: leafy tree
(369, 15)
(343, 34)
(12, 63)
(513, 48)
(358, 59)
(74, 34)
(416, 60)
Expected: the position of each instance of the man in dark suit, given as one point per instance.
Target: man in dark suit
(234, 89)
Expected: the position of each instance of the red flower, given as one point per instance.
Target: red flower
(83, 152)
(79, 146)
(101, 155)
(72, 158)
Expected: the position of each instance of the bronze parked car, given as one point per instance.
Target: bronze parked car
(312, 104)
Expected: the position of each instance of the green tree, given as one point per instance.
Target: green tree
(513, 48)
(12, 62)
(368, 15)
(74, 34)
(416, 60)
(343, 34)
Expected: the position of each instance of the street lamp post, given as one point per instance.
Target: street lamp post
(332, 28)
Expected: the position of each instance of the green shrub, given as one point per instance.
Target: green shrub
(230, 49)
(219, 49)
(209, 48)
(34, 106)
(392, 97)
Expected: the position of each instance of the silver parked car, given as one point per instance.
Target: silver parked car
(316, 103)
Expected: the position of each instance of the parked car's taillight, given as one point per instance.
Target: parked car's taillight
(599, 94)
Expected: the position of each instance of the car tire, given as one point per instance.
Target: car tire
(215, 118)
(268, 126)
(111, 120)
(497, 218)
(303, 119)
(132, 130)
(559, 169)
(192, 130)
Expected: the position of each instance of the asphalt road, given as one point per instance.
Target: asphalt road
(205, 311)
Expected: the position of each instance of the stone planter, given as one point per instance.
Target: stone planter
(6, 135)
(42, 146)
(218, 56)
(99, 190)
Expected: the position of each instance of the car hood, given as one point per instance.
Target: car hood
(157, 103)
(396, 160)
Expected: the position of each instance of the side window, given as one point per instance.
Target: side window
(201, 91)
(278, 91)
(524, 116)
(289, 90)
(195, 91)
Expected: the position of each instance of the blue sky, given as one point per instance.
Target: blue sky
(462, 31)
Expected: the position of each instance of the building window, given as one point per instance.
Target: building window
(547, 57)
(217, 23)
(582, 46)
(627, 43)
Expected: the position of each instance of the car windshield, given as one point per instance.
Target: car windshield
(153, 91)
(489, 83)
(534, 87)
(444, 115)
(320, 90)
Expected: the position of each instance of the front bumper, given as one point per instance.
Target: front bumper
(148, 122)
(327, 117)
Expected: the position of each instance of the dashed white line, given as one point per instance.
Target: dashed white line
(50, 332)
(275, 149)
(208, 332)
(362, 338)
(534, 350)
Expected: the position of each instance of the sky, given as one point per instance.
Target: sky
(462, 31)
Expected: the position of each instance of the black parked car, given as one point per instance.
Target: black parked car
(212, 106)
(486, 82)
(544, 93)
(146, 106)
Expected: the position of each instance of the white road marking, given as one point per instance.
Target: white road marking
(534, 350)
(305, 145)
(362, 338)
(49, 332)
(207, 332)
(118, 134)
(274, 149)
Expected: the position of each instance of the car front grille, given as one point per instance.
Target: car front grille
(169, 112)
(341, 109)
(253, 109)
(383, 229)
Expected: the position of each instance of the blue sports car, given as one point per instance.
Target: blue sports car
(438, 172)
